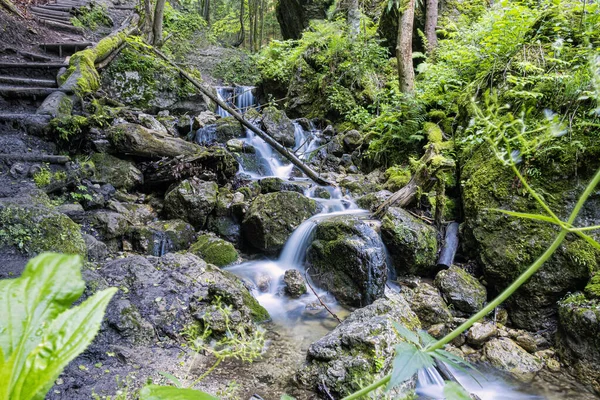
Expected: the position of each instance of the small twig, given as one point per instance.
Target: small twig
(326, 389)
(318, 298)
(424, 218)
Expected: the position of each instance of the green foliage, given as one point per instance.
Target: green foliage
(42, 177)
(240, 69)
(39, 334)
(185, 29)
(92, 17)
(68, 127)
(155, 392)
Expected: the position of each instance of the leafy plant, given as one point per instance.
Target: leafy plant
(42, 177)
(39, 334)
(92, 17)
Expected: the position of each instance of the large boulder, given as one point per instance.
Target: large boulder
(411, 242)
(508, 356)
(278, 126)
(192, 201)
(358, 351)
(214, 250)
(273, 217)
(506, 245)
(461, 289)
(119, 173)
(294, 15)
(578, 338)
(228, 128)
(347, 258)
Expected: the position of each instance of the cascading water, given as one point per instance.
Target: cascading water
(305, 315)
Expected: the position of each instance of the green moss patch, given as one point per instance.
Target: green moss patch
(214, 250)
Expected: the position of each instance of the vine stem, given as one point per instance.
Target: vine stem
(504, 295)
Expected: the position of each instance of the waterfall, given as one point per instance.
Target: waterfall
(206, 135)
(244, 98)
(224, 94)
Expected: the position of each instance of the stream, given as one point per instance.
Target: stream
(305, 318)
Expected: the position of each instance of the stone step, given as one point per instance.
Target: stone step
(61, 20)
(65, 47)
(17, 81)
(25, 92)
(51, 12)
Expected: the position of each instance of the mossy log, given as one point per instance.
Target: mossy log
(81, 76)
(136, 140)
(290, 156)
(11, 7)
(211, 164)
(424, 178)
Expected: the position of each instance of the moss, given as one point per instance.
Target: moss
(214, 250)
(38, 229)
(69, 126)
(433, 132)
(258, 312)
(592, 289)
(397, 177)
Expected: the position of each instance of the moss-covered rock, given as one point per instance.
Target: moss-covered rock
(359, 185)
(273, 217)
(278, 126)
(228, 128)
(34, 226)
(578, 338)
(592, 289)
(119, 173)
(412, 243)
(161, 237)
(358, 351)
(508, 356)
(214, 250)
(506, 245)
(397, 177)
(347, 258)
(429, 305)
(461, 289)
(191, 201)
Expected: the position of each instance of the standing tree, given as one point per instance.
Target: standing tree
(354, 18)
(406, 73)
(157, 26)
(431, 18)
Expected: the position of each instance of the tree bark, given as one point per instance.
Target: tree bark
(206, 11)
(431, 18)
(353, 18)
(157, 27)
(147, 25)
(241, 38)
(290, 156)
(406, 73)
(11, 7)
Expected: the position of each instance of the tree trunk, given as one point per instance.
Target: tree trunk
(11, 7)
(431, 19)
(147, 26)
(206, 11)
(354, 18)
(262, 23)
(240, 40)
(157, 27)
(406, 73)
(290, 156)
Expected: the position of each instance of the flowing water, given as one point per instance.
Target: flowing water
(305, 317)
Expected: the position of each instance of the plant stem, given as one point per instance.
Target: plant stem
(369, 389)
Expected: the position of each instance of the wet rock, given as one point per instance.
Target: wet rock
(235, 145)
(119, 173)
(358, 350)
(359, 185)
(578, 338)
(352, 140)
(336, 146)
(479, 333)
(205, 118)
(150, 122)
(412, 244)
(372, 201)
(273, 217)
(72, 210)
(347, 258)
(429, 306)
(527, 341)
(137, 214)
(263, 282)
(228, 128)
(57, 104)
(508, 356)
(438, 330)
(96, 250)
(294, 283)
(279, 126)
(214, 250)
(191, 201)
(461, 289)
(274, 184)
(161, 237)
(108, 224)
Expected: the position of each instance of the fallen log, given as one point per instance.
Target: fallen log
(214, 163)
(11, 7)
(426, 175)
(52, 159)
(446, 258)
(290, 156)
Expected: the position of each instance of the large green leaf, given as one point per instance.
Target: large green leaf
(155, 392)
(407, 362)
(37, 337)
(453, 391)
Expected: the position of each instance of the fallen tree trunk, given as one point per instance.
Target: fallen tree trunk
(11, 7)
(214, 163)
(52, 159)
(314, 176)
(426, 175)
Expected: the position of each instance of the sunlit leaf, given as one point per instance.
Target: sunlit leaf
(407, 362)
(538, 217)
(453, 391)
(156, 392)
(287, 397)
(171, 378)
